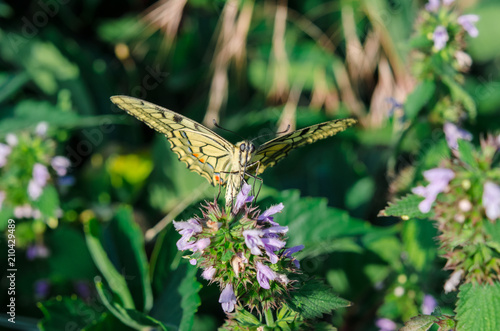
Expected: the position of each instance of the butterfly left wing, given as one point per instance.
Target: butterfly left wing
(274, 150)
(201, 149)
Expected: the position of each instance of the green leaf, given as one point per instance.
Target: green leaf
(419, 98)
(10, 83)
(478, 307)
(466, 151)
(420, 323)
(313, 299)
(48, 202)
(406, 207)
(130, 317)
(67, 313)
(459, 94)
(179, 301)
(419, 243)
(115, 280)
(129, 248)
(312, 223)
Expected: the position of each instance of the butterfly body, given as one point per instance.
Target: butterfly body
(213, 157)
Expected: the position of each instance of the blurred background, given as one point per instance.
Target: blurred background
(255, 67)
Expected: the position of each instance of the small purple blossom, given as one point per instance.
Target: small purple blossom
(453, 133)
(440, 37)
(60, 165)
(4, 153)
(192, 261)
(37, 251)
(264, 275)
(208, 273)
(40, 174)
(439, 179)
(253, 240)
(42, 289)
(201, 244)
(289, 251)
(82, 288)
(272, 245)
(385, 324)
(266, 215)
(467, 22)
(432, 6)
(188, 228)
(428, 304)
(24, 211)
(227, 299)
(11, 139)
(242, 197)
(491, 200)
(2, 198)
(41, 129)
(34, 190)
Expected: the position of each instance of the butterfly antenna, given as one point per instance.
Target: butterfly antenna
(220, 127)
(269, 134)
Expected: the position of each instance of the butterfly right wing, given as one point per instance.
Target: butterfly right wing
(201, 149)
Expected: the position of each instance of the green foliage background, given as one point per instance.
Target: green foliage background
(64, 68)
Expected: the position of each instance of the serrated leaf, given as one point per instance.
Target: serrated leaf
(419, 323)
(177, 304)
(314, 298)
(466, 152)
(406, 207)
(419, 98)
(63, 312)
(115, 280)
(478, 307)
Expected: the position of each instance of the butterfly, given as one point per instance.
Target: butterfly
(215, 158)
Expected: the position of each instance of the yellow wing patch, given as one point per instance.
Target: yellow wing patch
(201, 149)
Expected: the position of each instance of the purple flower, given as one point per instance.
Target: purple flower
(2, 198)
(42, 288)
(192, 261)
(385, 324)
(82, 288)
(242, 197)
(491, 200)
(188, 228)
(440, 37)
(23, 211)
(227, 299)
(467, 22)
(289, 251)
(266, 216)
(4, 153)
(253, 240)
(429, 304)
(36, 251)
(40, 174)
(60, 165)
(11, 139)
(34, 190)
(439, 179)
(201, 244)
(432, 6)
(208, 273)
(264, 275)
(453, 133)
(272, 245)
(41, 129)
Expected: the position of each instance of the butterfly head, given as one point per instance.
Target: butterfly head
(245, 150)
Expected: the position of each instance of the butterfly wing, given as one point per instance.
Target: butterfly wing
(274, 150)
(201, 149)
